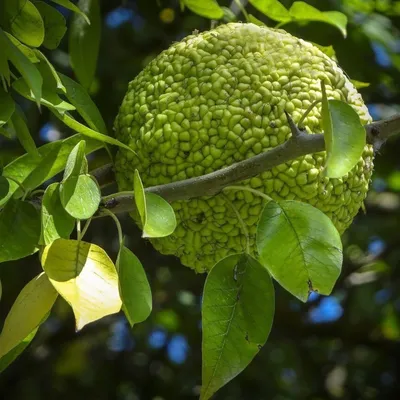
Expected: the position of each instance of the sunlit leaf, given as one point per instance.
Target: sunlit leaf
(7, 106)
(55, 155)
(54, 25)
(237, 313)
(79, 97)
(359, 84)
(84, 130)
(134, 287)
(75, 161)
(84, 41)
(28, 311)
(10, 357)
(51, 79)
(49, 98)
(273, 9)
(28, 70)
(205, 8)
(56, 222)
(71, 6)
(300, 247)
(19, 230)
(23, 134)
(157, 216)
(23, 20)
(301, 11)
(345, 136)
(83, 201)
(85, 277)
(27, 51)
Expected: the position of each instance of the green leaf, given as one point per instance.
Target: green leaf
(8, 132)
(80, 98)
(4, 187)
(4, 67)
(27, 51)
(205, 8)
(84, 41)
(84, 130)
(255, 21)
(23, 20)
(55, 155)
(328, 50)
(300, 247)
(51, 79)
(237, 314)
(134, 287)
(83, 201)
(7, 106)
(85, 277)
(23, 134)
(27, 313)
(272, 9)
(10, 357)
(49, 98)
(56, 222)
(75, 161)
(28, 71)
(344, 135)
(54, 25)
(157, 216)
(359, 84)
(71, 6)
(301, 11)
(19, 230)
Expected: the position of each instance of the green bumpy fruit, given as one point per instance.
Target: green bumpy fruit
(219, 97)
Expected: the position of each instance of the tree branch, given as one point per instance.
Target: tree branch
(297, 145)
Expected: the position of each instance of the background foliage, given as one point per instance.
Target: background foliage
(345, 346)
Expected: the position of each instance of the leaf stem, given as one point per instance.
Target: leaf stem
(109, 197)
(245, 231)
(19, 184)
(78, 230)
(117, 223)
(86, 227)
(309, 109)
(255, 191)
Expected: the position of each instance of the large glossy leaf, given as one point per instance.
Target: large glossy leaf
(7, 106)
(30, 308)
(56, 222)
(345, 138)
(19, 230)
(80, 98)
(24, 66)
(157, 216)
(134, 287)
(300, 247)
(82, 200)
(273, 9)
(23, 168)
(84, 41)
(205, 8)
(301, 11)
(71, 6)
(23, 134)
(54, 25)
(237, 313)
(23, 20)
(85, 277)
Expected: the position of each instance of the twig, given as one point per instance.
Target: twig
(208, 185)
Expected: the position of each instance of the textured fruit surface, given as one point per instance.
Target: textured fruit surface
(219, 97)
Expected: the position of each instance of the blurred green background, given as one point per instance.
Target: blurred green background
(345, 346)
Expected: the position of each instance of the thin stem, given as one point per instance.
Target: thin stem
(78, 230)
(245, 231)
(86, 227)
(242, 9)
(304, 116)
(255, 191)
(38, 191)
(117, 223)
(19, 184)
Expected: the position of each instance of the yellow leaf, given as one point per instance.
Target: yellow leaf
(29, 310)
(85, 277)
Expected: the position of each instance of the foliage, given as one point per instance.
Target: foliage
(41, 210)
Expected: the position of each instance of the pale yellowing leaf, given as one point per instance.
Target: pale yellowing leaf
(85, 277)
